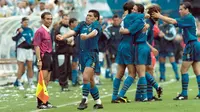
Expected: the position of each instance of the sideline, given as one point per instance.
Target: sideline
(104, 96)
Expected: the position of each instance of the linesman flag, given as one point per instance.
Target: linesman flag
(41, 91)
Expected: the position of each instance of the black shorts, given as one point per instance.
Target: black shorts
(47, 62)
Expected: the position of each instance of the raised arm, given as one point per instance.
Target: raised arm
(164, 18)
(90, 35)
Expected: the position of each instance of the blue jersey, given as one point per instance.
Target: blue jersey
(150, 35)
(133, 22)
(91, 43)
(27, 34)
(125, 52)
(139, 36)
(188, 26)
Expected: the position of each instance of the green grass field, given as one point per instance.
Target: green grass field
(13, 100)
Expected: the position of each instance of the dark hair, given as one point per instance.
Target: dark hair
(128, 6)
(153, 8)
(44, 14)
(72, 20)
(96, 13)
(64, 15)
(187, 5)
(56, 1)
(115, 16)
(140, 8)
(24, 19)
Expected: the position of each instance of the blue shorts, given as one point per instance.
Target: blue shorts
(192, 51)
(166, 54)
(125, 54)
(74, 58)
(142, 54)
(88, 59)
(97, 68)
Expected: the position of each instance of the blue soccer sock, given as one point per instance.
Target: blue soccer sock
(175, 68)
(185, 81)
(116, 84)
(198, 82)
(138, 94)
(127, 83)
(142, 84)
(149, 91)
(74, 76)
(85, 90)
(162, 70)
(95, 93)
(150, 79)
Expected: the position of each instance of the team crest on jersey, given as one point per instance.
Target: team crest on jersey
(188, 56)
(93, 65)
(90, 29)
(113, 33)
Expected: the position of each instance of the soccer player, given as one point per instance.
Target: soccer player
(23, 40)
(141, 49)
(149, 68)
(43, 48)
(72, 24)
(167, 49)
(191, 51)
(141, 57)
(125, 53)
(89, 31)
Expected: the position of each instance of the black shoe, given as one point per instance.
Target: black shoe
(98, 106)
(162, 80)
(180, 97)
(128, 101)
(115, 101)
(63, 89)
(49, 105)
(154, 99)
(123, 99)
(197, 97)
(159, 91)
(138, 100)
(82, 105)
(42, 106)
(177, 79)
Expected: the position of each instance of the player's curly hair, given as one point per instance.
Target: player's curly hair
(153, 8)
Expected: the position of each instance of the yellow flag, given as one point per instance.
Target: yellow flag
(41, 91)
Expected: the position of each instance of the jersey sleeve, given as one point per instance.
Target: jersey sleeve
(32, 34)
(37, 38)
(96, 26)
(77, 29)
(136, 26)
(184, 22)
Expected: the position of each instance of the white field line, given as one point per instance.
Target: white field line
(104, 96)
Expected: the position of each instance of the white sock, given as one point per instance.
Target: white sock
(30, 80)
(19, 82)
(86, 99)
(98, 101)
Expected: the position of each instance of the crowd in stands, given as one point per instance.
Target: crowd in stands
(36, 7)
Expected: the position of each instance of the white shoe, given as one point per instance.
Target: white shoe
(21, 87)
(32, 86)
